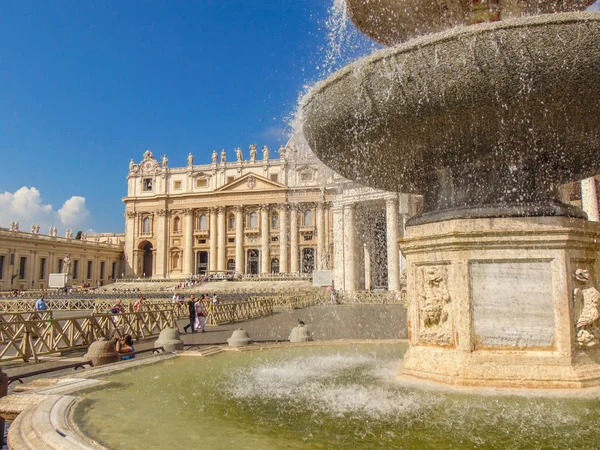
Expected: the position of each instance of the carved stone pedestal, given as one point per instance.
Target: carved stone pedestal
(504, 302)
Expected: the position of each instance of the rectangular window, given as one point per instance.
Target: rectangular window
(308, 237)
(231, 240)
(275, 239)
(177, 185)
(202, 241)
(102, 264)
(147, 184)
(42, 268)
(22, 266)
(2, 267)
(89, 270)
(230, 179)
(306, 176)
(113, 271)
(274, 177)
(75, 269)
(201, 182)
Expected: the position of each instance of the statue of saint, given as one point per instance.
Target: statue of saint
(215, 157)
(190, 160)
(238, 154)
(32, 228)
(165, 162)
(67, 264)
(131, 164)
(37, 229)
(67, 233)
(17, 225)
(12, 226)
(282, 152)
(223, 156)
(252, 152)
(266, 153)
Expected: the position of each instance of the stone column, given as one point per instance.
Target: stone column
(265, 266)
(130, 233)
(213, 240)
(338, 247)
(188, 253)
(222, 241)
(393, 260)
(161, 245)
(367, 261)
(589, 199)
(283, 239)
(294, 258)
(321, 250)
(239, 240)
(350, 247)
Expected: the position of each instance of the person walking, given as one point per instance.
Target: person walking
(139, 304)
(200, 321)
(192, 314)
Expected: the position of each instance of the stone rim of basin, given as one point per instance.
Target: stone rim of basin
(391, 22)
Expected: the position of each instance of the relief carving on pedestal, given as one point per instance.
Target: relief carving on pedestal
(435, 314)
(586, 299)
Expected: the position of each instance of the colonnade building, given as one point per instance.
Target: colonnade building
(288, 215)
(27, 258)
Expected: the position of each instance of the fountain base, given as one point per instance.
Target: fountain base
(495, 302)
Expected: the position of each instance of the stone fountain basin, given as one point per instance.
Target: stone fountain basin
(391, 22)
(489, 111)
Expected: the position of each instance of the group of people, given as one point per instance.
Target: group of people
(197, 314)
(138, 306)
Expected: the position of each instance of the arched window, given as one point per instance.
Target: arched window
(307, 218)
(275, 220)
(231, 222)
(253, 219)
(275, 265)
(176, 224)
(231, 264)
(176, 261)
(203, 222)
(146, 224)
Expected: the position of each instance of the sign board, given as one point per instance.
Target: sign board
(58, 280)
(322, 278)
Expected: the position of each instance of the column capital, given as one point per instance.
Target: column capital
(350, 206)
(221, 209)
(239, 208)
(264, 207)
(283, 206)
(131, 214)
(187, 211)
(162, 212)
(391, 201)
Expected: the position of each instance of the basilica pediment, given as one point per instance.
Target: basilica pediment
(251, 182)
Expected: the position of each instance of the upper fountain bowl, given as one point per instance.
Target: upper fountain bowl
(391, 22)
(491, 114)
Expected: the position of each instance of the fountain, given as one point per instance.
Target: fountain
(485, 121)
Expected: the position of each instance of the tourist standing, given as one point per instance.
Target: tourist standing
(138, 305)
(40, 305)
(192, 314)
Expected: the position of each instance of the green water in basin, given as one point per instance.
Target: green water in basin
(325, 397)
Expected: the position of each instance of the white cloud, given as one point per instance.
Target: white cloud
(73, 213)
(26, 206)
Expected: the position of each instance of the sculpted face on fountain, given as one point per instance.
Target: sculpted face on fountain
(391, 22)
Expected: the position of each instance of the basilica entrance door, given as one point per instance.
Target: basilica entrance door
(253, 259)
(202, 263)
(308, 260)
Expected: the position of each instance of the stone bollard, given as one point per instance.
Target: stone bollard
(169, 340)
(239, 338)
(102, 352)
(300, 334)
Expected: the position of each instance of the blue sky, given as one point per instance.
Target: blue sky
(89, 85)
